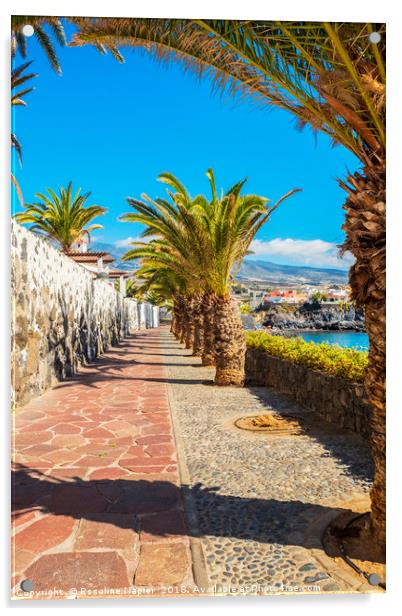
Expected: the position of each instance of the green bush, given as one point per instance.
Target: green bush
(349, 364)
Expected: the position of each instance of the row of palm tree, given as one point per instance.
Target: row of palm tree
(195, 245)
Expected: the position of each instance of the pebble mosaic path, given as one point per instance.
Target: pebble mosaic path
(131, 479)
(96, 496)
(260, 502)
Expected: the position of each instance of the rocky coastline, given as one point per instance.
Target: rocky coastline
(310, 317)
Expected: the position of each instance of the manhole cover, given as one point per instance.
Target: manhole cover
(271, 423)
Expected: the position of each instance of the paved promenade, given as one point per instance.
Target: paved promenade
(107, 463)
(96, 502)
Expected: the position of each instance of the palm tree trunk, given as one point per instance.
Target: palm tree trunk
(173, 324)
(208, 313)
(365, 238)
(189, 320)
(179, 317)
(186, 322)
(198, 344)
(175, 319)
(230, 343)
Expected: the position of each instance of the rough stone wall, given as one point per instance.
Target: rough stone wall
(336, 400)
(62, 315)
(130, 321)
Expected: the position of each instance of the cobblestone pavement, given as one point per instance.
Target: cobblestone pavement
(96, 501)
(257, 503)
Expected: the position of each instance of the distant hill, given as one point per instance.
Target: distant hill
(264, 271)
(272, 273)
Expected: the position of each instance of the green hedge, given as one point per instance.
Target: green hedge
(349, 364)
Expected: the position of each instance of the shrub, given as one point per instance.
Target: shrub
(349, 364)
(245, 308)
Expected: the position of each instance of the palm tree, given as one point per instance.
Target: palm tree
(17, 98)
(330, 76)
(62, 217)
(202, 242)
(131, 288)
(232, 222)
(164, 272)
(162, 286)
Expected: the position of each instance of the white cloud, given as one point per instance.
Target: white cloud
(313, 253)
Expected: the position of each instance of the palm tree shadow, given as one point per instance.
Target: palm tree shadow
(156, 507)
(349, 448)
(110, 367)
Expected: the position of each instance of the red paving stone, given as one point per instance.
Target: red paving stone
(95, 485)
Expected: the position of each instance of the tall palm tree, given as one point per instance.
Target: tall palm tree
(180, 247)
(232, 221)
(330, 76)
(193, 311)
(62, 217)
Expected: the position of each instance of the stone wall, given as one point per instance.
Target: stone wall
(131, 316)
(336, 400)
(62, 315)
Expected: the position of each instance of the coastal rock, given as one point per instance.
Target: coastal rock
(336, 317)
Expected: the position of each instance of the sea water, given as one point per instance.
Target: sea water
(344, 339)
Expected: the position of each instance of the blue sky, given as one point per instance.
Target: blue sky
(111, 128)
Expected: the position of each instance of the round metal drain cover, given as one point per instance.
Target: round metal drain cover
(270, 423)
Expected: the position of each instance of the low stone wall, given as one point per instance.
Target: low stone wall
(336, 400)
(62, 315)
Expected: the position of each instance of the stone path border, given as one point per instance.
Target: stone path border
(198, 559)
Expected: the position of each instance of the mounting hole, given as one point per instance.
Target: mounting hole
(27, 585)
(374, 38)
(28, 30)
(374, 579)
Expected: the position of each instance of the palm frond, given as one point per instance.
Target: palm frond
(199, 240)
(319, 72)
(16, 144)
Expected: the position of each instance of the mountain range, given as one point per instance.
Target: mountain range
(253, 271)
(274, 273)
